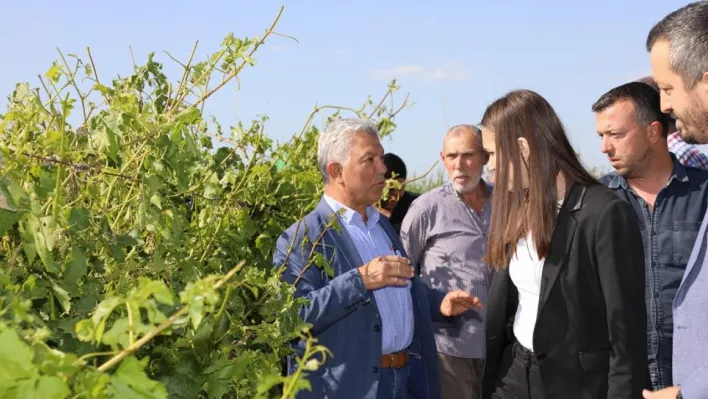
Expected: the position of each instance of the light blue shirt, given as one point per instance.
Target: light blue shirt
(394, 302)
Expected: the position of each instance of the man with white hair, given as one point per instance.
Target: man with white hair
(445, 235)
(372, 313)
(678, 47)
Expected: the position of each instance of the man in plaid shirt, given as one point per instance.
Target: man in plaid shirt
(444, 234)
(687, 154)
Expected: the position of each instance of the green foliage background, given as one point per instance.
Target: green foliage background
(135, 255)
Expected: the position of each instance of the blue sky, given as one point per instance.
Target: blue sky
(454, 57)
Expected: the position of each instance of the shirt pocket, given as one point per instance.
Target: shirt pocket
(684, 237)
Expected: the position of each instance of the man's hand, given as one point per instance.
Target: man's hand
(386, 270)
(456, 302)
(666, 393)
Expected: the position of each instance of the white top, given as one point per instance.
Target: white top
(525, 270)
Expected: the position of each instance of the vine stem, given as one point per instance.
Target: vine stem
(57, 188)
(131, 329)
(310, 350)
(211, 241)
(288, 391)
(90, 355)
(238, 69)
(423, 175)
(163, 326)
(312, 251)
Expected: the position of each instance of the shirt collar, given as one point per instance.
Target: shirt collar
(678, 173)
(351, 216)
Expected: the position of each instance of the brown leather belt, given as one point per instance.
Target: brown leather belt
(394, 360)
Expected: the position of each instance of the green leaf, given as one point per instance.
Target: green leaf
(117, 336)
(103, 89)
(93, 384)
(190, 116)
(43, 231)
(63, 297)
(75, 269)
(130, 380)
(47, 182)
(147, 287)
(56, 363)
(217, 387)
(92, 330)
(15, 358)
(50, 387)
(268, 382)
(8, 219)
(126, 241)
(200, 297)
(49, 228)
(107, 138)
(202, 337)
(183, 379)
(156, 200)
(322, 263)
(85, 330)
(54, 72)
(79, 219)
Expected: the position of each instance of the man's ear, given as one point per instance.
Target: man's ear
(334, 170)
(702, 86)
(656, 132)
(524, 148)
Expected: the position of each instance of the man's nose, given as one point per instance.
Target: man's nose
(381, 167)
(605, 147)
(666, 106)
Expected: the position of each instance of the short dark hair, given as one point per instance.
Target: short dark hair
(651, 82)
(394, 164)
(646, 101)
(686, 31)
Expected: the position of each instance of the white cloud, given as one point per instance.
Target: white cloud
(444, 71)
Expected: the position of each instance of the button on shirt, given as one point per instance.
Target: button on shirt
(446, 239)
(394, 303)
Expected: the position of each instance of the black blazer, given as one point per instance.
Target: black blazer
(590, 334)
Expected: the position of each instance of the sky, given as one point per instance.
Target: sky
(453, 57)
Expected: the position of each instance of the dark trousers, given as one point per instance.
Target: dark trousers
(522, 380)
(461, 377)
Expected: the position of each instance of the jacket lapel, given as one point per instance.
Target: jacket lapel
(561, 241)
(340, 239)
